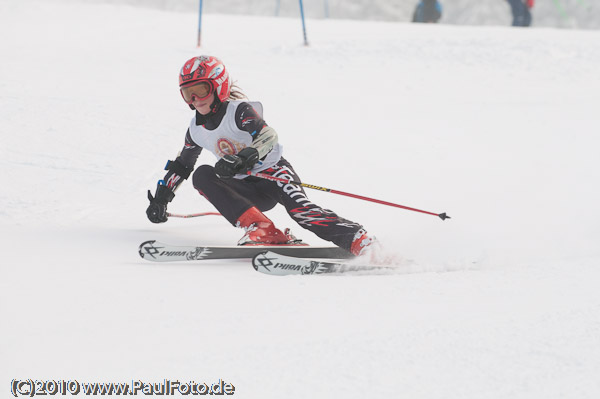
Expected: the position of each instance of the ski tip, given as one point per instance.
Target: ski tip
(263, 262)
(443, 216)
(142, 250)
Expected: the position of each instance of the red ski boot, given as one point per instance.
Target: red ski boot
(361, 243)
(371, 251)
(260, 230)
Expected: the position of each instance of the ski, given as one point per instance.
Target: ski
(159, 252)
(275, 264)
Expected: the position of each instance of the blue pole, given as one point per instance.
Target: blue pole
(303, 24)
(326, 8)
(277, 7)
(199, 23)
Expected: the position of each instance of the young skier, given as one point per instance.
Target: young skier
(241, 140)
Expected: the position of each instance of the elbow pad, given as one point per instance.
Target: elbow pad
(264, 141)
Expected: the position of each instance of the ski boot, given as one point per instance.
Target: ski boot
(361, 243)
(370, 250)
(260, 230)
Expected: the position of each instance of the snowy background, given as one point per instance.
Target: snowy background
(495, 125)
(583, 14)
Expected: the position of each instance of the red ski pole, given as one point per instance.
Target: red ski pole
(442, 216)
(192, 215)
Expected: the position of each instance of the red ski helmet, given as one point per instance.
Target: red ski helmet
(208, 69)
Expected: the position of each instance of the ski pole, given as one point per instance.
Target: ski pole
(442, 216)
(192, 215)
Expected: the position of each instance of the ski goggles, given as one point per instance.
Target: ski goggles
(200, 91)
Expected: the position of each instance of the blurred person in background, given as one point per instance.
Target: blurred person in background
(520, 11)
(428, 11)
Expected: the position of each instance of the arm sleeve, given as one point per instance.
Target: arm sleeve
(264, 137)
(182, 167)
(190, 151)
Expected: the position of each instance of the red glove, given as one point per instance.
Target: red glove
(530, 3)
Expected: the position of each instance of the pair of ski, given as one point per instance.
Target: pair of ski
(279, 260)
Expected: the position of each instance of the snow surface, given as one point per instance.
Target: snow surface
(494, 125)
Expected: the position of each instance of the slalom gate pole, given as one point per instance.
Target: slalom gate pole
(303, 24)
(192, 215)
(277, 7)
(442, 216)
(199, 24)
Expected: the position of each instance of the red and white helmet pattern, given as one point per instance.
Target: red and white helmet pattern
(209, 69)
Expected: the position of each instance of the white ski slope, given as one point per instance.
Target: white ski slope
(496, 126)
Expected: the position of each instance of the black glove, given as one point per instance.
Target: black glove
(157, 210)
(230, 165)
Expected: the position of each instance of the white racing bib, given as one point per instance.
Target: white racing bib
(229, 139)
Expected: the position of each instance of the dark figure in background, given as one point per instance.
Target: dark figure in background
(428, 11)
(520, 12)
